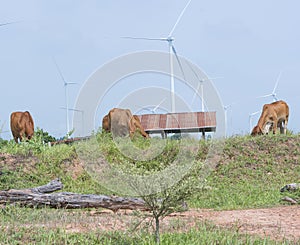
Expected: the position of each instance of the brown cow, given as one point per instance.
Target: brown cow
(273, 115)
(122, 123)
(21, 124)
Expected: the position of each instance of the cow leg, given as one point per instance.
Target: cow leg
(16, 139)
(275, 126)
(285, 126)
(282, 127)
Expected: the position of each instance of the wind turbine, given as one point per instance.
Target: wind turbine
(153, 110)
(66, 94)
(226, 107)
(273, 94)
(250, 119)
(76, 110)
(170, 39)
(200, 86)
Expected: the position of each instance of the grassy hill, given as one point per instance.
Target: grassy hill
(250, 172)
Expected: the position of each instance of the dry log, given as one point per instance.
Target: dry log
(40, 197)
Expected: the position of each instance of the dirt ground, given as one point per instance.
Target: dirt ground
(276, 223)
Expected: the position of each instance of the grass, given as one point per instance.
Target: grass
(49, 226)
(249, 175)
(252, 172)
(202, 233)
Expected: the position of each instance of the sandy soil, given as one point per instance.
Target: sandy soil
(276, 223)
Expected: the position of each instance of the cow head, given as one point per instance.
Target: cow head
(256, 131)
(268, 127)
(29, 131)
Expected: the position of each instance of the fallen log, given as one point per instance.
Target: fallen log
(40, 197)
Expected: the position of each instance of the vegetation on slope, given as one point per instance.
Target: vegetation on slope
(249, 175)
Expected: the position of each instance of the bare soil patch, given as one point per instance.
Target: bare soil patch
(276, 223)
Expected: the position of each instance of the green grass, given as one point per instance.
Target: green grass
(50, 226)
(249, 175)
(203, 233)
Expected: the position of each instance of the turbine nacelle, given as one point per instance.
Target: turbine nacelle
(170, 39)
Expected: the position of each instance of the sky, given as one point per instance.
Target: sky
(243, 45)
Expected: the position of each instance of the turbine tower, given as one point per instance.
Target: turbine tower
(200, 86)
(226, 107)
(170, 39)
(66, 95)
(76, 110)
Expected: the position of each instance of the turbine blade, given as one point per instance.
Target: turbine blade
(179, 18)
(155, 108)
(147, 109)
(210, 78)
(146, 38)
(254, 113)
(59, 71)
(70, 109)
(9, 23)
(264, 96)
(179, 63)
(277, 81)
(229, 105)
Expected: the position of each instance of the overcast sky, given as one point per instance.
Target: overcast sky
(245, 44)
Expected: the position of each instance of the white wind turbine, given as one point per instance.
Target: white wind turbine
(76, 110)
(172, 49)
(200, 86)
(66, 95)
(273, 94)
(153, 110)
(251, 115)
(226, 107)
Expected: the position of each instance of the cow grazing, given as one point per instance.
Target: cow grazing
(273, 115)
(121, 122)
(21, 124)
